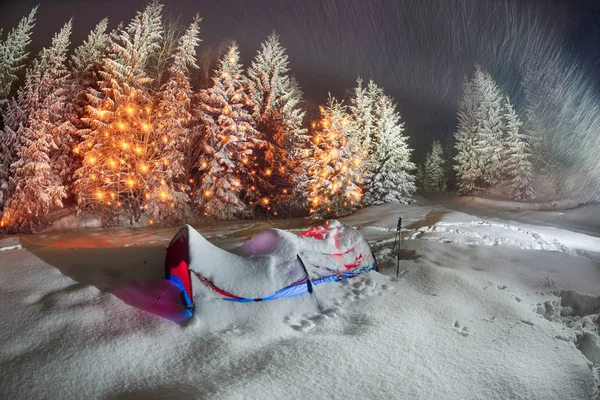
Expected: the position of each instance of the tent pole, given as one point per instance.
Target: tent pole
(309, 283)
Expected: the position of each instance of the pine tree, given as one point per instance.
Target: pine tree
(87, 57)
(479, 134)
(227, 163)
(517, 155)
(279, 121)
(362, 108)
(392, 181)
(12, 52)
(420, 177)
(36, 189)
(86, 62)
(173, 120)
(122, 161)
(333, 170)
(434, 169)
(488, 142)
(468, 170)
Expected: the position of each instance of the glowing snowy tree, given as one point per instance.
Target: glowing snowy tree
(13, 112)
(227, 163)
(467, 167)
(334, 177)
(391, 180)
(172, 120)
(362, 108)
(479, 138)
(85, 64)
(517, 156)
(434, 169)
(35, 187)
(12, 52)
(488, 140)
(123, 164)
(279, 121)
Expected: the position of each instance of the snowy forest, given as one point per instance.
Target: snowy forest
(116, 127)
(120, 126)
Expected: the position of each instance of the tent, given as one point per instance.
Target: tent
(273, 264)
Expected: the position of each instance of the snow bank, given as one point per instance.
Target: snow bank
(485, 202)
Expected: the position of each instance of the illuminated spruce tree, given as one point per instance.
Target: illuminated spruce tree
(362, 109)
(491, 127)
(391, 180)
(517, 156)
(172, 120)
(123, 163)
(13, 54)
(227, 165)
(85, 63)
(334, 177)
(279, 120)
(35, 188)
(467, 166)
(479, 138)
(13, 112)
(433, 178)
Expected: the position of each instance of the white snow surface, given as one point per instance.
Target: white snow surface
(483, 309)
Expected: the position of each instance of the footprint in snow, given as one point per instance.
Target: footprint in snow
(464, 331)
(308, 322)
(305, 325)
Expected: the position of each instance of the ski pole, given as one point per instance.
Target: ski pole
(399, 237)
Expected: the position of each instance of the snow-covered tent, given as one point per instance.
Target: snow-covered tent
(274, 263)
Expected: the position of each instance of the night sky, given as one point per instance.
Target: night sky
(418, 50)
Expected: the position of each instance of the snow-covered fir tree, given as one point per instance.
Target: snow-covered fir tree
(35, 187)
(172, 120)
(13, 54)
(467, 162)
(227, 165)
(89, 54)
(279, 120)
(517, 156)
(420, 176)
(86, 61)
(123, 164)
(363, 110)
(488, 141)
(479, 138)
(434, 178)
(334, 178)
(392, 180)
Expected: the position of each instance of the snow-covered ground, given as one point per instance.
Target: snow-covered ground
(485, 308)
